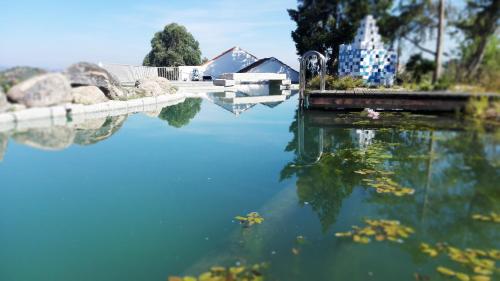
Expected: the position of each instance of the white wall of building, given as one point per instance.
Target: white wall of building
(230, 62)
(275, 66)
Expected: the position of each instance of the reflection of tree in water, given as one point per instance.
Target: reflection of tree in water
(180, 115)
(449, 171)
(453, 180)
(325, 183)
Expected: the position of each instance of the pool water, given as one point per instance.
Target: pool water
(151, 196)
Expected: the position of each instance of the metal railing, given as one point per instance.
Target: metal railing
(171, 73)
(129, 74)
(314, 62)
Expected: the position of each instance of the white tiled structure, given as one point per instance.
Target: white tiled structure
(366, 57)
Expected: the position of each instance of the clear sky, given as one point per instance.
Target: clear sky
(54, 34)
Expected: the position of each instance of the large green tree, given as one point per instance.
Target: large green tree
(323, 25)
(479, 23)
(173, 46)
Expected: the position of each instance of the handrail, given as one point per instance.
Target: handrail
(305, 64)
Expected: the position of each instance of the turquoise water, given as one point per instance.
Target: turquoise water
(145, 197)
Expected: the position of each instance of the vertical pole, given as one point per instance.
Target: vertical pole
(439, 43)
(302, 82)
(323, 73)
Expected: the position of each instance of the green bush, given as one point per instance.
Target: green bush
(477, 107)
(335, 83)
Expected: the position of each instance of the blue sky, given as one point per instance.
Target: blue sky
(54, 34)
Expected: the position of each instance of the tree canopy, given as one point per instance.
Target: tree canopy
(173, 46)
(478, 24)
(323, 25)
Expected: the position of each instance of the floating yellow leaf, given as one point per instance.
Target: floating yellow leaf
(219, 273)
(343, 234)
(482, 271)
(251, 219)
(462, 276)
(493, 217)
(480, 278)
(381, 229)
(477, 260)
(495, 254)
(428, 250)
(445, 271)
(236, 270)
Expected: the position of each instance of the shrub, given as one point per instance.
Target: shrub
(334, 83)
(478, 107)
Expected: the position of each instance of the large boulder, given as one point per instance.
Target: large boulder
(43, 90)
(88, 95)
(4, 105)
(86, 135)
(18, 74)
(89, 74)
(154, 86)
(52, 138)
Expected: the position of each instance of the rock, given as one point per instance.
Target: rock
(52, 138)
(4, 105)
(154, 86)
(17, 107)
(88, 95)
(44, 90)
(491, 113)
(16, 75)
(92, 136)
(89, 74)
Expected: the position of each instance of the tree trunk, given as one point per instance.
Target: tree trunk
(487, 26)
(478, 56)
(439, 43)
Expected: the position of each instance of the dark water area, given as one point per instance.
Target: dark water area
(149, 196)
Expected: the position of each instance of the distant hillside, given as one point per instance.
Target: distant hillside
(11, 76)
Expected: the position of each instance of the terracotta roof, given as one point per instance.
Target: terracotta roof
(261, 61)
(228, 51)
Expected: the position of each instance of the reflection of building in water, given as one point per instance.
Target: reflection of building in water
(247, 96)
(365, 138)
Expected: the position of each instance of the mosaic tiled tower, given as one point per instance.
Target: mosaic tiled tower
(367, 58)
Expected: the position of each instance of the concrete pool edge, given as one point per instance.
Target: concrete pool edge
(76, 113)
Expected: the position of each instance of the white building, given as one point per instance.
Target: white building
(272, 65)
(230, 61)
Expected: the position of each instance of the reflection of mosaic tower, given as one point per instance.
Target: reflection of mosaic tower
(366, 57)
